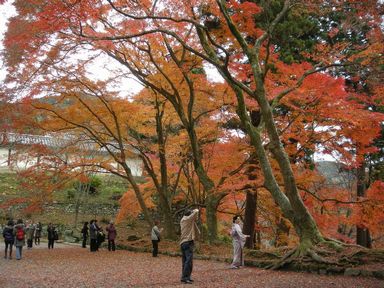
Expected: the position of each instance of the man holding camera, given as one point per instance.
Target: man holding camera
(189, 232)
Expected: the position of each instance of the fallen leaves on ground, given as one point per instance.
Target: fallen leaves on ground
(72, 266)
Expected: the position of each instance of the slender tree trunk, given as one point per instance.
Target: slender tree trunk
(212, 200)
(138, 195)
(250, 217)
(164, 201)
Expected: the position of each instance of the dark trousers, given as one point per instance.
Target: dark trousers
(111, 245)
(187, 258)
(37, 240)
(84, 242)
(93, 245)
(155, 245)
(10, 245)
(51, 242)
(29, 243)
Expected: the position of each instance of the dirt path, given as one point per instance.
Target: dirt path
(72, 266)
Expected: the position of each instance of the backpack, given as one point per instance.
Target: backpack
(20, 234)
(8, 234)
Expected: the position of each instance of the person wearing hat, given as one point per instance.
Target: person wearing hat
(189, 232)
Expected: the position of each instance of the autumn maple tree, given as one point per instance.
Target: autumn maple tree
(288, 98)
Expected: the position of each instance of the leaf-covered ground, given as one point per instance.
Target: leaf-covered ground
(72, 266)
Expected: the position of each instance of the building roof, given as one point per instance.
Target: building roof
(59, 141)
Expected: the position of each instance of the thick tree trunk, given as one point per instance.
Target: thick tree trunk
(250, 218)
(211, 208)
(289, 201)
(363, 236)
(170, 231)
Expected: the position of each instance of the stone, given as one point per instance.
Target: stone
(352, 272)
(378, 274)
(323, 272)
(133, 238)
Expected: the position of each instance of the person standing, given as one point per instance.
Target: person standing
(19, 233)
(9, 239)
(100, 236)
(84, 232)
(155, 237)
(111, 236)
(93, 236)
(38, 230)
(30, 234)
(51, 231)
(189, 232)
(238, 241)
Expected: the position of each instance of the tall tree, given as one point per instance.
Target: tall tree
(226, 35)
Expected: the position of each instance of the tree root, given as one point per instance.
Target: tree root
(328, 252)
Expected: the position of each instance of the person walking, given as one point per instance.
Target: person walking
(51, 231)
(155, 237)
(9, 239)
(84, 232)
(111, 236)
(38, 229)
(19, 233)
(238, 241)
(189, 232)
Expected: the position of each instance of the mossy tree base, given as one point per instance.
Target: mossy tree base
(327, 257)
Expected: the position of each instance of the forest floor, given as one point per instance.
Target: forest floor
(73, 266)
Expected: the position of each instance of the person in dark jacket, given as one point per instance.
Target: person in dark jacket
(9, 238)
(111, 236)
(30, 234)
(93, 235)
(100, 236)
(51, 230)
(38, 230)
(84, 232)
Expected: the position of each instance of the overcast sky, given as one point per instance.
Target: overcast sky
(6, 11)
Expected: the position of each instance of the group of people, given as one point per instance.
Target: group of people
(97, 236)
(189, 233)
(17, 234)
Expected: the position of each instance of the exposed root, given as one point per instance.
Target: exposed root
(326, 253)
(284, 261)
(342, 244)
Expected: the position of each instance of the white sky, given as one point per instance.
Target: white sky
(6, 10)
(128, 86)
